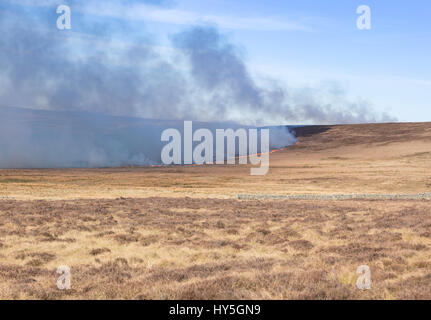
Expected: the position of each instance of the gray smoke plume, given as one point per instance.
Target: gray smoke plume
(86, 79)
(42, 67)
(217, 69)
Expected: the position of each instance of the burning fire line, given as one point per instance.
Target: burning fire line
(237, 157)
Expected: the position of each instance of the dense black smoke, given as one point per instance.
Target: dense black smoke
(87, 70)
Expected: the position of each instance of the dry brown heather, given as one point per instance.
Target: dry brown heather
(180, 232)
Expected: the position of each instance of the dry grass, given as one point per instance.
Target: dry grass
(167, 248)
(179, 232)
(381, 158)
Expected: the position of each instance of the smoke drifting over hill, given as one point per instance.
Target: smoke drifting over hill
(116, 72)
(208, 80)
(58, 139)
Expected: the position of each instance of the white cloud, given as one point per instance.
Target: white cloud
(175, 16)
(149, 13)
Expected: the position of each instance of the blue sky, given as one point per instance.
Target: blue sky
(306, 44)
(389, 65)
